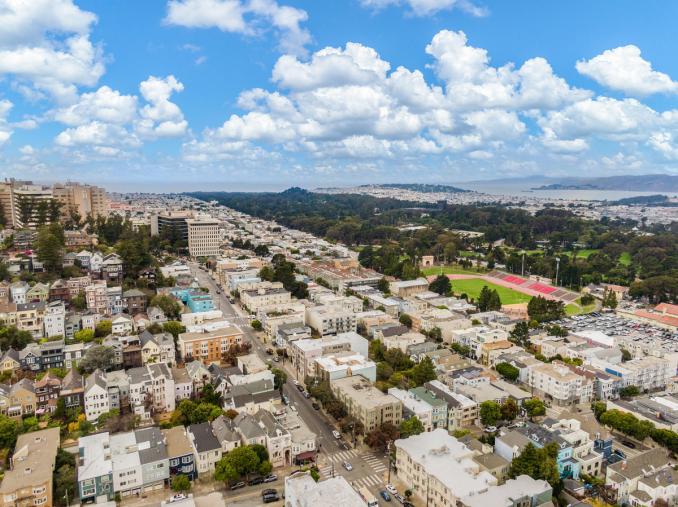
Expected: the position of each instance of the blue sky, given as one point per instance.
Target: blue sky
(262, 94)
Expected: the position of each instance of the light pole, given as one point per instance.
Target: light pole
(522, 269)
(557, 268)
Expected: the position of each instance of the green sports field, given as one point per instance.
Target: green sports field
(473, 286)
(451, 270)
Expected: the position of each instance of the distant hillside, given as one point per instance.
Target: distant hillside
(640, 182)
(646, 200)
(425, 188)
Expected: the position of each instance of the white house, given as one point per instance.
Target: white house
(55, 319)
(96, 396)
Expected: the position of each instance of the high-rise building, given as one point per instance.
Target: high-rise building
(204, 238)
(171, 224)
(25, 204)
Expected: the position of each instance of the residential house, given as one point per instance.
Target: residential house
(157, 348)
(206, 447)
(96, 397)
(29, 481)
(151, 390)
(208, 346)
(180, 452)
(47, 391)
(134, 301)
(73, 389)
(22, 399)
(367, 403)
(9, 362)
(55, 319)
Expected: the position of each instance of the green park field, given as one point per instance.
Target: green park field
(473, 286)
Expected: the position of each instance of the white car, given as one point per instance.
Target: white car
(348, 466)
(490, 429)
(336, 434)
(391, 489)
(294, 409)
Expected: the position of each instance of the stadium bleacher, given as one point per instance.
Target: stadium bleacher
(540, 287)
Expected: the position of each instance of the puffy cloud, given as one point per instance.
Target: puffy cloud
(105, 105)
(5, 129)
(429, 7)
(161, 117)
(471, 82)
(46, 43)
(625, 70)
(245, 17)
(102, 137)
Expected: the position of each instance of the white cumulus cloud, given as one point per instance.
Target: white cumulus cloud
(429, 7)
(248, 17)
(625, 70)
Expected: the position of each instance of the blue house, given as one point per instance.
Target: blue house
(180, 452)
(194, 299)
(568, 466)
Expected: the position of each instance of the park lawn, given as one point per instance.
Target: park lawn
(625, 259)
(473, 286)
(451, 270)
(583, 254)
(577, 309)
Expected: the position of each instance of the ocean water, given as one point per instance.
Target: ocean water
(522, 189)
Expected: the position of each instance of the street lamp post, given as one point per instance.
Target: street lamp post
(557, 268)
(522, 269)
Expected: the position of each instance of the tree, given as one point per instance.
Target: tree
(520, 334)
(174, 328)
(381, 436)
(383, 286)
(279, 379)
(405, 320)
(244, 460)
(436, 334)
(441, 285)
(84, 335)
(225, 471)
(488, 300)
(9, 430)
(64, 477)
(423, 372)
(261, 451)
(181, 483)
(50, 247)
(411, 426)
(79, 302)
(11, 337)
(629, 391)
(508, 371)
(545, 310)
(490, 412)
(609, 299)
(209, 395)
(169, 306)
(97, 357)
(376, 350)
(626, 355)
(509, 409)
(534, 407)
(103, 328)
(537, 463)
(256, 325)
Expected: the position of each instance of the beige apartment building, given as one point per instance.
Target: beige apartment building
(83, 199)
(367, 403)
(209, 346)
(29, 481)
(263, 297)
(204, 238)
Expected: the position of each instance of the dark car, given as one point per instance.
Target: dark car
(315, 405)
(300, 387)
(255, 481)
(238, 485)
(384, 494)
(269, 491)
(270, 498)
(271, 478)
(629, 444)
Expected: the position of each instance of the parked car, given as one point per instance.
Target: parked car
(347, 466)
(384, 494)
(238, 485)
(391, 489)
(276, 359)
(285, 399)
(336, 434)
(177, 497)
(306, 394)
(270, 498)
(619, 453)
(255, 481)
(399, 497)
(490, 429)
(271, 478)
(629, 444)
(270, 491)
(300, 387)
(315, 405)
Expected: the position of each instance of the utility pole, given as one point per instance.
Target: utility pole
(66, 497)
(388, 455)
(522, 270)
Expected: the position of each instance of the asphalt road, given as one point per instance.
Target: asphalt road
(315, 420)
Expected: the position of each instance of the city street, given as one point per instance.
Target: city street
(369, 467)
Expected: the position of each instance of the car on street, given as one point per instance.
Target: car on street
(490, 429)
(177, 497)
(315, 405)
(384, 494)
(306, 394)
(269, 491)
(255, 481)
(336, 434)
(399, 497)
(391, 489)
(300, 387)
(294, 409)
(238, 485)
(619, 453)
(276, 359)
(269, 495)
(285, 399)
(271, 478)
(629, 444)
(347, 466)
